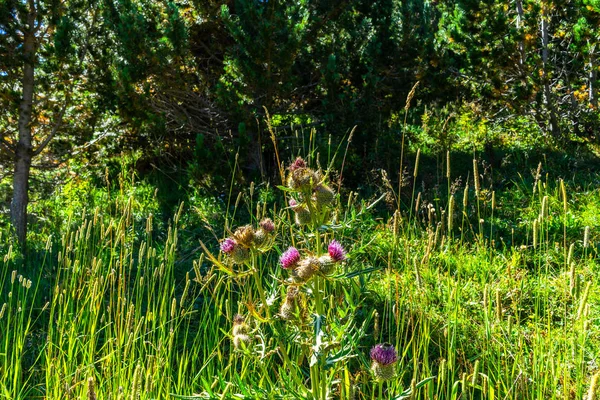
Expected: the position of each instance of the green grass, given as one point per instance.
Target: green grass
(504, 305)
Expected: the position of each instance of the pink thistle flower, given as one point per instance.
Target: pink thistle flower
(336, 251)
(297, 164)
(289, 258)
(228, 246)
(267, 225)
(293, 203)
(384, 354)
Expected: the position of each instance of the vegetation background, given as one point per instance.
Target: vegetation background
(461, 138)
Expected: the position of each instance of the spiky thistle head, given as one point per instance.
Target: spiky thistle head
(384, 354)
(384, 358)
(302, 215)
(289, 258)
(297, 164)
(228, 246)
(336, 251)
(323, 195)
(305, 270)
(303, 180)
(244, 235)
(326, 264)
(240, 255)
(239, 325)
(267, 225)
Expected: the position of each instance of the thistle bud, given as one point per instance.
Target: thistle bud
(240, 342)
(244, 235)
(384, 359)
(302, 179)
(239, 325)
(267, 225)
(326, 265)
(240, 255)
(260, 237)
(303, 216)
(305, 270)
(288, 308)
(324, 196)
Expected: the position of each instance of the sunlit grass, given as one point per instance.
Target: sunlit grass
(477, 306)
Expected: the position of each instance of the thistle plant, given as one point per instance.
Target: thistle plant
(312, 200)
(243, 247)
(384, 359)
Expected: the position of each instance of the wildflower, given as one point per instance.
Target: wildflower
(384, 358)
(293, 203)
(267, 225)
(297, 164)
(336, 251)
(289, 259)
(228, 246)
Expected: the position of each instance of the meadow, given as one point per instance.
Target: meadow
(482, 285)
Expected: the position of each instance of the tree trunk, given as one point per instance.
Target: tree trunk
(24, 152)
(520, 18)
(592, 78)
(548, 98)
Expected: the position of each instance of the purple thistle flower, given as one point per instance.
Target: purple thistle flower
(228, 246)
(297, 164)
(384, 354)
(336, 251)
(267, 225)
(289, 258)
